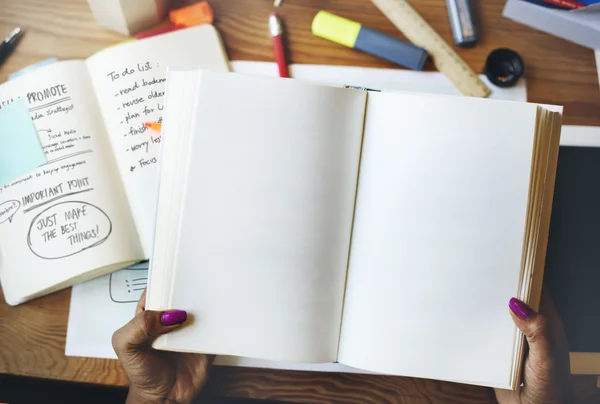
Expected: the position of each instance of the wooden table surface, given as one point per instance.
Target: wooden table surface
(32, 336)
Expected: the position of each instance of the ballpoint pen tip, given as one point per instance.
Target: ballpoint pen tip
(15, 35)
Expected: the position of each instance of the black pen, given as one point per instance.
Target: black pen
(9, 43)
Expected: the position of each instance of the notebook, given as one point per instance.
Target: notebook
(95, 297)
(90, 209)
(387, 232)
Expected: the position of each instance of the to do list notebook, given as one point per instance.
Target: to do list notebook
(90, 209)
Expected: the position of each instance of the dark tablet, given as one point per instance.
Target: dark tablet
(573, 259)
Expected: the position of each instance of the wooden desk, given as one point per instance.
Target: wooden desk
(32, 336)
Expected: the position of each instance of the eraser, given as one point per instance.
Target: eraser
(196, 14)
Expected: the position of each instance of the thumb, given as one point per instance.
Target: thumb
(535, 328)
(145, 327)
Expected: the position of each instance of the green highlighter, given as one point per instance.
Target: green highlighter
(353, 35)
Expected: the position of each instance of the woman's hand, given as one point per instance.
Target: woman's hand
(547, 372)
(158, 376)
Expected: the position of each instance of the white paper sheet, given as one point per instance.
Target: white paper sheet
(378, 79)
(100, 307)
(440, 244)
(264, 212)
(91, 300)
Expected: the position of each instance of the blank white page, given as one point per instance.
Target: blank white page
(438, 237)
(266, 223)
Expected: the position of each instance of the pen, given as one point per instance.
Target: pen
(9, 43)
(276, 29)
(569, 4)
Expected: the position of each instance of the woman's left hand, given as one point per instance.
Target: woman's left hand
(546, 375)
(158, 376)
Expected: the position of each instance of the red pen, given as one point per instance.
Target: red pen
(276, 29)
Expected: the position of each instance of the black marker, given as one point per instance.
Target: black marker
(9, 43)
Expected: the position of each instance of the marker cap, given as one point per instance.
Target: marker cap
(504, 67)
(336, 28)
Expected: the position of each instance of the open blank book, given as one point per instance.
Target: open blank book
(384, 231)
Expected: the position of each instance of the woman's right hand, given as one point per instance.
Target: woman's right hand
(158, 376)
(547, 372)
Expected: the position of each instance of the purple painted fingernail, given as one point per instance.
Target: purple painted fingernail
(173, 317)
(520, 309)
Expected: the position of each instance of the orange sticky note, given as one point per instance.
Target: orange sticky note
(154, 126)
(196, 14)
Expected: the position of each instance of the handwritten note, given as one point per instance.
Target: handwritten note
(68, 228)
(74, 204)
(93, 201)
(8, 210)
(130, 81)
(139, 97)
(54, 101)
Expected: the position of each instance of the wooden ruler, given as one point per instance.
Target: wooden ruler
(419, 32)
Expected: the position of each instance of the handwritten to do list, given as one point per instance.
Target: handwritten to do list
(140, 99)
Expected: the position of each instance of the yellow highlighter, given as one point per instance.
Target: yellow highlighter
(353, 35)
